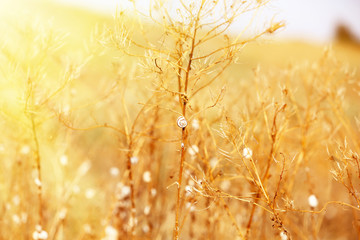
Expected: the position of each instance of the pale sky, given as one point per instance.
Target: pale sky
(309, 20)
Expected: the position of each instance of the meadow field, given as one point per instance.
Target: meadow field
(167, 126)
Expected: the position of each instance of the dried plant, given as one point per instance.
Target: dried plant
(158, 127)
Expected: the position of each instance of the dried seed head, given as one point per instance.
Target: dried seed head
(181, 122)
(275, 26)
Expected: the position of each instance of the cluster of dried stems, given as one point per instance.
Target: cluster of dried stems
(279, 160)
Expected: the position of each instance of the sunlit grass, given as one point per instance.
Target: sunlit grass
(91, 148)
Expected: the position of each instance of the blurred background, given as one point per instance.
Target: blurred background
(317, 21)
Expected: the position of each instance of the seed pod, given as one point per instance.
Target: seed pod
(181, 122)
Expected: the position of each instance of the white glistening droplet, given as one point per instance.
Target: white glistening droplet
(66, 109)
(153, 192)
(62, 213)
(90, 193)
(181, 122)
(146, 228)
(76, 189)
(38, 228)
(147, 176)
(283, 236)
(225, 185)
(313, 201)
(2, 148)
(37, 182)
(73, 92)
(16, 219)
(247, 153)
(63, 160)
(111, 233)
(43, 235)
(87, 228)
(193, 150)
(147, 210)
(84, 167)
(39, 234)
(25, 150)
(134, 160)
(213, 162)
(35, 235)
(114, 171)
(24, 217)
(195, 124)
(16, 200)
(125, 191)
